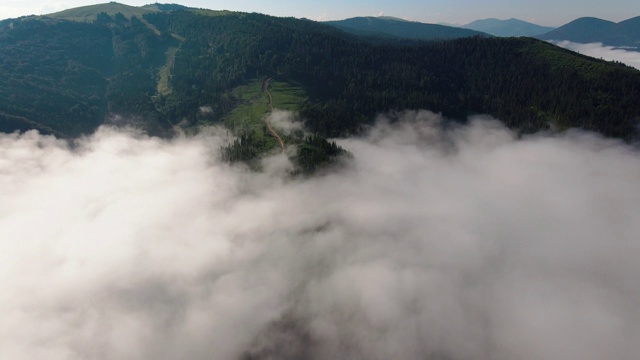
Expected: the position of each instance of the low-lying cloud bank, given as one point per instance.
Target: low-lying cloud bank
(458, 243)
(600, 51)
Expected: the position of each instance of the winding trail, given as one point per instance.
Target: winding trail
(265, 89)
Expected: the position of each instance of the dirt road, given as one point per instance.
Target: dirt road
(265, 89)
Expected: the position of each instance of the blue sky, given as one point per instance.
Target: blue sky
(543, 12)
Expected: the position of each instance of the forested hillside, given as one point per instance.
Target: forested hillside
(398, 28)
(527, 83)
(64, 77)
(68, 77)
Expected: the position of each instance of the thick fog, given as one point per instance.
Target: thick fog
(431, 242)
(600, 51)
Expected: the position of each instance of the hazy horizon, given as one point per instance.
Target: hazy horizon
(459, 12)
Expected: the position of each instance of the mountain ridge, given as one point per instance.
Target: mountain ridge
(591, 30)
(389, 26)
(509, 27)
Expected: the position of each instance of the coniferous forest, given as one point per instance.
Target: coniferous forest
(67, 77)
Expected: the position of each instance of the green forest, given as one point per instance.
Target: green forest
(158, 69)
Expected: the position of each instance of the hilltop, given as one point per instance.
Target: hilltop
(590, 30)
(90, 13)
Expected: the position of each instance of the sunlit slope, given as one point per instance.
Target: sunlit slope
(90, 13)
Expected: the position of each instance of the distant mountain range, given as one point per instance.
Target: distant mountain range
(510, 27)
(590, 30)
(582, 30)
(390, 26)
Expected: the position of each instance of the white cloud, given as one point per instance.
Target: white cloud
(284, 121)
(323, 17)
(205, 109)
(600, 51)
(464, 243)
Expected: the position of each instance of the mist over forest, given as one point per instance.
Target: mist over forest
(184, 183)
(432, 240)
(600, 51)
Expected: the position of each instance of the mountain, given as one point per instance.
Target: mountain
(511, 27)
(390, 26)
(181, 67)
(591, 30)
(630, 27)
(582, 30)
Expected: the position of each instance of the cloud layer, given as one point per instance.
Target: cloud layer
(600, 51)
(434, 242)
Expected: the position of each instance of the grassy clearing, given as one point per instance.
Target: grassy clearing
(254, 104)
(287, 96)
(207, 12)
(150, 26)
(248, 117)
(90, 13)
(164, 87)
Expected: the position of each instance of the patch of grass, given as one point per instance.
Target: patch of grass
(253, 104)
(207, 12)
(248, 117)
(164, 87)
(287, 96)
(150, 26)
(90, 13)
